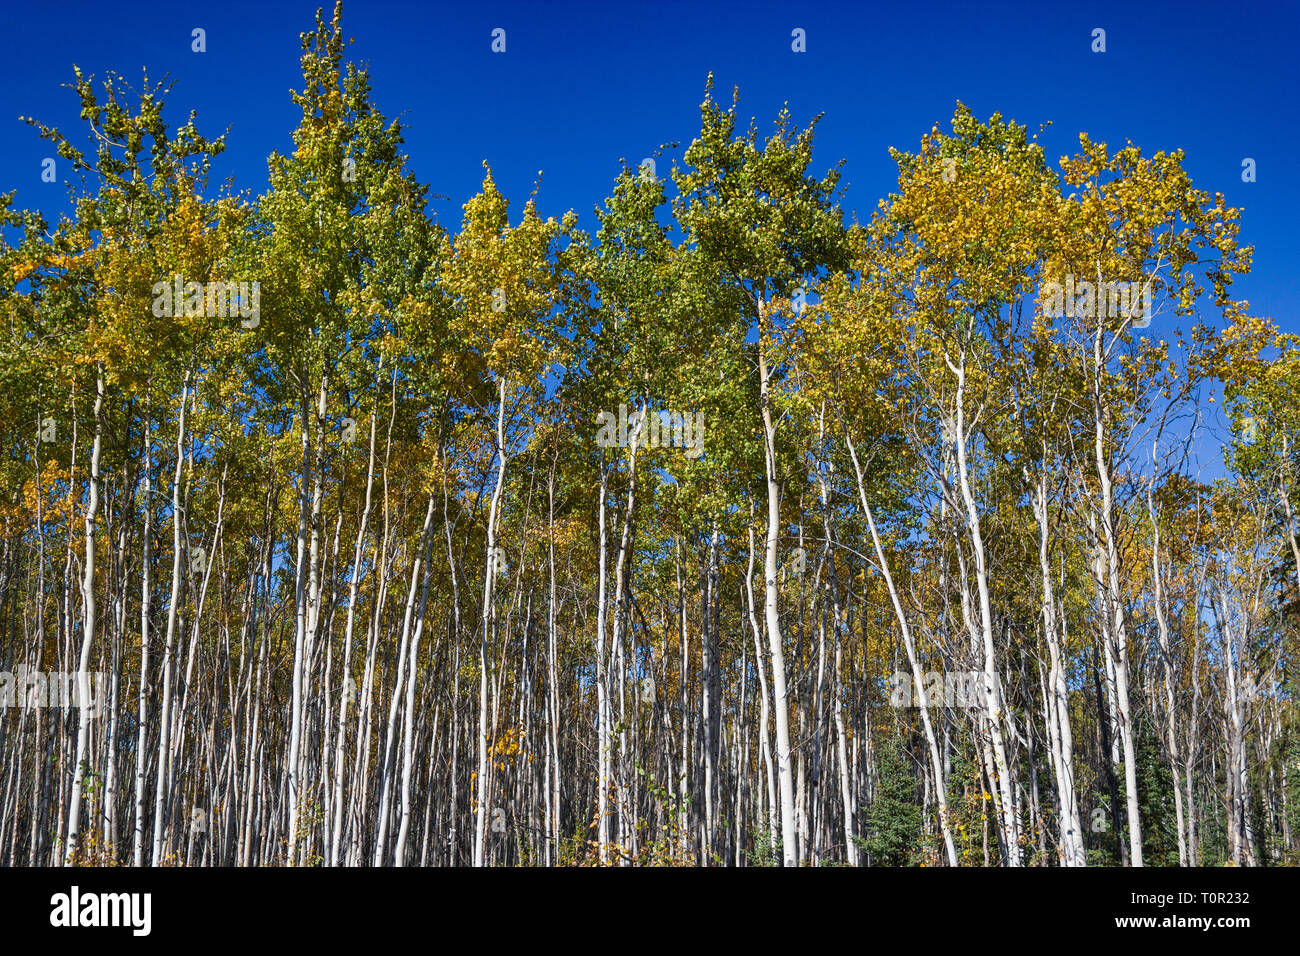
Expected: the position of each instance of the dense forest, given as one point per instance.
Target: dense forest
(732, 531)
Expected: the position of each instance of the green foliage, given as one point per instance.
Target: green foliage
(892, 821)
(1155, 801)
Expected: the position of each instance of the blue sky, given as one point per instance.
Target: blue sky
(582, 84)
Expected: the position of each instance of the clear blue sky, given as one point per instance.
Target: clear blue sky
(583, 84)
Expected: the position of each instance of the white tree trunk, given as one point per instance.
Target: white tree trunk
(88, 624)
(772, 616)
